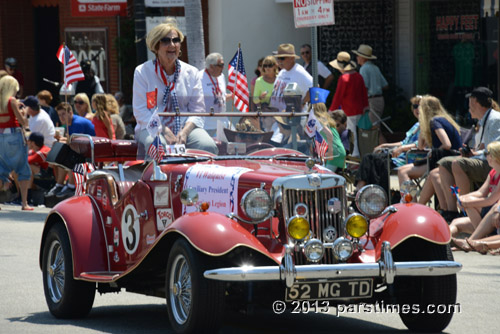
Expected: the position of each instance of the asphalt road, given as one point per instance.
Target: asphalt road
(23, 308)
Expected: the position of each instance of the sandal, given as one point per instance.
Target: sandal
(461, 244)
(495, 251)
(478, 246)
(27, 208)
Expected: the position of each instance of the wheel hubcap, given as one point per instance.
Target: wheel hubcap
(55, 271)
(180, 296)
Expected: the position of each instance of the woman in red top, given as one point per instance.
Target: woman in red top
(13, 146)
(102, 121)
(351, 95)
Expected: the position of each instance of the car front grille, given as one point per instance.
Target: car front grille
(318, 215)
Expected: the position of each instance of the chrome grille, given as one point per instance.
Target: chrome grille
(318, 215)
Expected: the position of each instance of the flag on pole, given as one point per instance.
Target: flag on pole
(312, 125)
(156, 150)
(320, 144)
(72, 70)
(237, 81)
(80, 172)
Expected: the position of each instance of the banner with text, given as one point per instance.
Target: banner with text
(312, 13)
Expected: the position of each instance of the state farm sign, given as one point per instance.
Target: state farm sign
(312, 13)
(98, 7)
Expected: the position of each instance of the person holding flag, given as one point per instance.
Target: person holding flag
(322, 127)
(167, 84)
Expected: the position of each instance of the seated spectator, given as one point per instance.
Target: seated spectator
(127, 114)
(45, 98)
(102, 121)
(82, 106)
(37, 157)
(473, 168)
(478, 204)
(346, 135)
(114, 113)
(373, 167)
(39, 120)
(439, 132)
(73, 124)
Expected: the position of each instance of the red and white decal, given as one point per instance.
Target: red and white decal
(150, 239)
(98, 192)
(164, 217)
(116, 237)
(161, 196)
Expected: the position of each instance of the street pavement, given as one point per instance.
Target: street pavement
(23, 308)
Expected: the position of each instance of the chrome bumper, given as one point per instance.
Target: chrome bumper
(386, 268)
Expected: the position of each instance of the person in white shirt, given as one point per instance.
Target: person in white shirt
(39, 120)
(291, 72)
(166, 84)
(214, 91)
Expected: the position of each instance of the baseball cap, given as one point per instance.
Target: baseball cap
(31, 101)
(37, 138)
(480, 93)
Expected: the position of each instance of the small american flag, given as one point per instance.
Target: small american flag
(237, 82)
(320, 144)
(156, 150)
(80, 172)
(72, 70)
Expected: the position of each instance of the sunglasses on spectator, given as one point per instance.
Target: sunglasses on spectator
(281, 58)
(79, 102)
(168, 40)
(415, 106)
(268, 66)
(220, 65)
(304, 52)
(486, 153)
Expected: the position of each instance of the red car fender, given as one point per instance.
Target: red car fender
(411, 220)
(214, 234)
(85, 230)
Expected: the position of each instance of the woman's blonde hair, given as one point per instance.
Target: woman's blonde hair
(85, 99)
(271, 60)
(99, 100)
(431, 107)
(494, 150)
(112, 104)
(160, 31)
(322, 115)
(8, 88)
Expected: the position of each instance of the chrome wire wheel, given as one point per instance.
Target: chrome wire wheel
(180, 293)
(55, 271)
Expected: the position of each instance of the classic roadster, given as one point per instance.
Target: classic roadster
(208, 232)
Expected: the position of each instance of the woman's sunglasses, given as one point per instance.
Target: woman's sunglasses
(168, 40)
(415, 106)
(79, 102)
(268, 66)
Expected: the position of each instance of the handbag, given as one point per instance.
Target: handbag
(364, 122)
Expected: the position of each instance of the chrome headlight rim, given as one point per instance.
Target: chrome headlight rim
(337, 244)
(363, 196)
(308, 250)
(246, 200)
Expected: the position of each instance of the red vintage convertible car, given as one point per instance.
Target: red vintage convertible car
(208, 232)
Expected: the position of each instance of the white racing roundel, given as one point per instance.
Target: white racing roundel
(130, 229)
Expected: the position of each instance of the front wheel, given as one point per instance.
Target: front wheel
(426, 303)
(65, 296)
(194, 303)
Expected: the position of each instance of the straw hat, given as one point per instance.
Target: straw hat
(343, 62)
(286, 50)
(364, 51)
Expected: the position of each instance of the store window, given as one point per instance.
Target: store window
(455, 50)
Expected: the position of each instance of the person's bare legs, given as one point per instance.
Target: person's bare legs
(435, 178)
(409, 172)
(462, 224)
(429, 189)
(487, 224)
(447, 181)
(23, 185)
(461, 179)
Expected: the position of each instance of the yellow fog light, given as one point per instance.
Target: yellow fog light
(298, 227)
(356, 225)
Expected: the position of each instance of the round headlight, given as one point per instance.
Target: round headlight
(371, 200)
(314, 250)
(298, 227)
(342, 249)
(356, 225)
(256, 204)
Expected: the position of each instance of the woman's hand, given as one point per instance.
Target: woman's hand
(169, 136)
(263, 95)
(397, 151)
(182, 137)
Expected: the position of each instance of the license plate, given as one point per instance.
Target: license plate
(330, 290)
